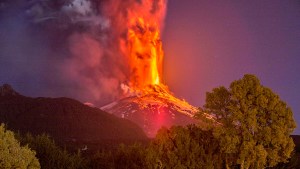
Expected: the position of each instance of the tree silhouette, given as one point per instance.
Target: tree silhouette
(256, 124)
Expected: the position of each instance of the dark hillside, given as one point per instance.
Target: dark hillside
(64, 119)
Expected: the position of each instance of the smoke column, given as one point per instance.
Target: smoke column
(85, 49)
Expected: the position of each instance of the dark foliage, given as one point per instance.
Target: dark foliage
(51, 155)
(177, 147)
(181, 147)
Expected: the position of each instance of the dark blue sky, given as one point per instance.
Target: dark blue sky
(212, 43)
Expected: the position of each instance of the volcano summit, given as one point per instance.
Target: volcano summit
(154, 107)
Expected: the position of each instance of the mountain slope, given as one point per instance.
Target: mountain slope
(154, 107)
(63, 118)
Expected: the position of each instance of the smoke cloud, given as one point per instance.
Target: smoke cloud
(69, 48)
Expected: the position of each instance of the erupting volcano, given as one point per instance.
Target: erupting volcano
(103, 51)
(146, 100)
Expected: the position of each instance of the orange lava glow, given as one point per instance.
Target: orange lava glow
(144, 46)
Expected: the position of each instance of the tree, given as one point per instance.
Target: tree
(132, 156)
(12, 155)
(123, 157)
(255, 124)
(184, 147)
(51, 155)
(102, 159)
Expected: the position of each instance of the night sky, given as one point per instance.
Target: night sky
(212, 43)
(207, 44)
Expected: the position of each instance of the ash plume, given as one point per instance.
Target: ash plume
(69, 48)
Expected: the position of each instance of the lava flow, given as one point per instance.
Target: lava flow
(147, 101)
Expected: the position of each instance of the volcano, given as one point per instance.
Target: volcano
(153, 107)
(147, 101)
(112, 50)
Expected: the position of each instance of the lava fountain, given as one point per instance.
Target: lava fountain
(143, 46)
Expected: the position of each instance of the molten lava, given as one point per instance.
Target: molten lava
(144, 47)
